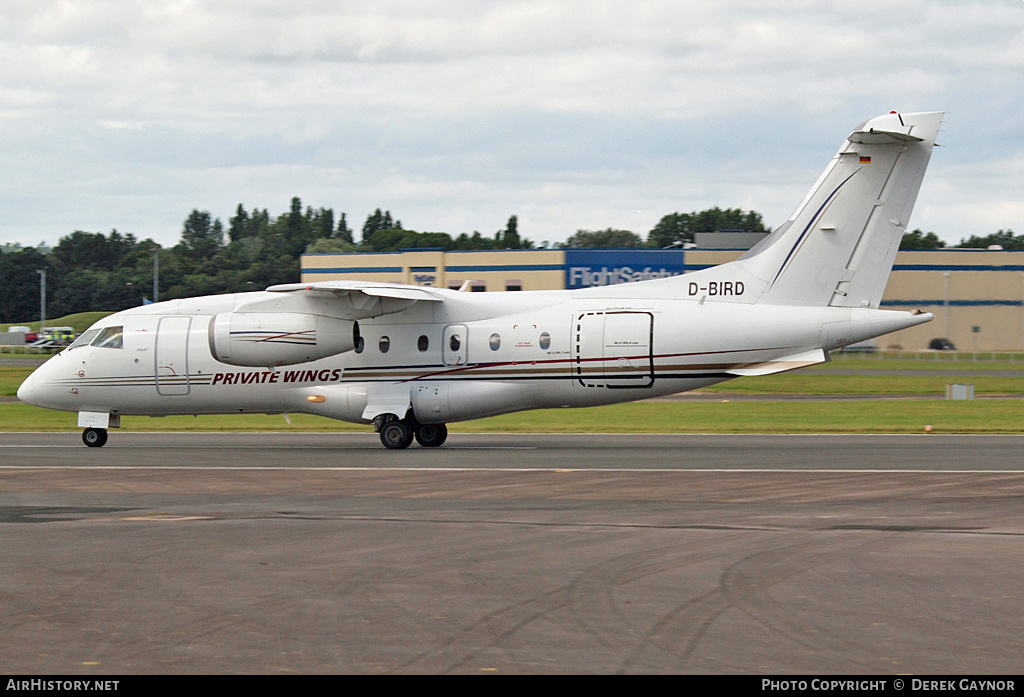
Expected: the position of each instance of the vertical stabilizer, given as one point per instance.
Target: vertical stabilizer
(839, 245)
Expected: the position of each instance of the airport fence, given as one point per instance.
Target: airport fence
(936, 356)
(28, 351)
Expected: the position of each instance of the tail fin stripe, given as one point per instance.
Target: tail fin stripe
(811, 224)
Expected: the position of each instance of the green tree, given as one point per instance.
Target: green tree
(321, 223)
(240, 225)
(920, 240)
(297, 228)
(469, 242)
(333, 245)
(672, 229)
(201, 237)
(259, 221)
(608, 238)
(1004, 238)
(679, 228)
(93, 250)
(509, 237)
(76, 292)
(379, 221)
(343, 232)
(19, 285)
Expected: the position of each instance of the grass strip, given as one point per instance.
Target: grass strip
(768, 416)
(802, 382)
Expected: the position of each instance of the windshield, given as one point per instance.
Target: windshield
(85, 339)
(110, 337)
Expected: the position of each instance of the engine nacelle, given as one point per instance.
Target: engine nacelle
(270, 339)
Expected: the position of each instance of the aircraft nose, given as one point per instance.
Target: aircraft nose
(26, 392)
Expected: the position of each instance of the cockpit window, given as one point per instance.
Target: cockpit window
(85, 339)
(110, 337)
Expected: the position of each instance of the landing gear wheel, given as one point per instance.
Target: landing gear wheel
(94, 437)
(396, 435)
(431, 435)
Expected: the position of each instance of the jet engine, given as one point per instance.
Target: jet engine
(271, 339)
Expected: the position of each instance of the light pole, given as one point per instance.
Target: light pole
(945, 301)
(42, 299)
(156, 275)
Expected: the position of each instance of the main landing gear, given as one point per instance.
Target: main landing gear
(94, 437)
(397, 434)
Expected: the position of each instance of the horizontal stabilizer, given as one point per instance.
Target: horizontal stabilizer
(886, 129)
(781, 365)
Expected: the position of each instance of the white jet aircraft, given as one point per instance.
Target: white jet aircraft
(409, 359)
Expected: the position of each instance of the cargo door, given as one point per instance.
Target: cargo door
(628, 349)
(613, 349)
(588, 349)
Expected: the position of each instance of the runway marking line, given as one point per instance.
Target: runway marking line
(553, 470)
(268, 447)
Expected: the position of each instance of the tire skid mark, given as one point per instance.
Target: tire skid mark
(936, 622)
(592, 597)
(747, 588)
(674, 637)
(484, 634)
(744, 586)
(588, 599)
(179, 634)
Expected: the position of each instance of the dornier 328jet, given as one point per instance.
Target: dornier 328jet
(409, 359)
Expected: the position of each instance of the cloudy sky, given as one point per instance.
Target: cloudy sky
(456, 114)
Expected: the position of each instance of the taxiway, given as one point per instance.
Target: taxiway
(282, 553)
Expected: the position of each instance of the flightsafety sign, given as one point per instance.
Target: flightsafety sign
(585, 268)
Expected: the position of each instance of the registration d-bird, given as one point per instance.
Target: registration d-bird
(410, 359)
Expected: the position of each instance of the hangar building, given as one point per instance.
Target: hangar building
(976, 295)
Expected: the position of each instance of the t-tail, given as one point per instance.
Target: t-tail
(838, 247)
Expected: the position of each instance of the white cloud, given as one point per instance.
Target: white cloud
(456, 114)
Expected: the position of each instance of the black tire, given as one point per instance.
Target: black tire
(94, 437)
(431, 435)
(396, 435)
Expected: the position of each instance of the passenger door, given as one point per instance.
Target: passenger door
(171, 356)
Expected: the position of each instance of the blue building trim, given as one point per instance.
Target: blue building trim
(349, 254)
(360, 269)
(958, 267)
(952, 303)
(504, 267)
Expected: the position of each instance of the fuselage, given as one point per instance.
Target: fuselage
(472, 355)
(410, 359)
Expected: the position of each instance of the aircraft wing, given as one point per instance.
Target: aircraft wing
(368, 288)
(364, 298)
